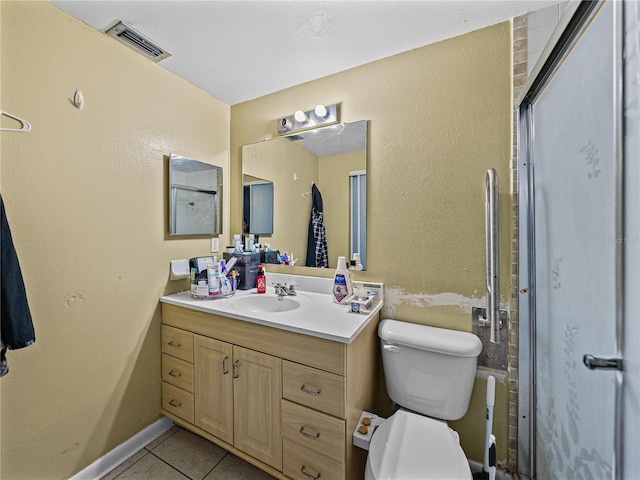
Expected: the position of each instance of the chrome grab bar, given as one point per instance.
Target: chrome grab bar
(492, 254)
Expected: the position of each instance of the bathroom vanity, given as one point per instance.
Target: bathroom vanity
(280, 389)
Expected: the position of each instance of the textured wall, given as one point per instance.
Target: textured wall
(440, 116)
(85, 193)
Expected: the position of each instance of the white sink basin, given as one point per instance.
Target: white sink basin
(263, 303)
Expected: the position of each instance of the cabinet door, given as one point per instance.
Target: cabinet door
(213, 389)
(257, 393)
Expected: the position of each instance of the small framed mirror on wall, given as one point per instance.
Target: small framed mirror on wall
(195, 197)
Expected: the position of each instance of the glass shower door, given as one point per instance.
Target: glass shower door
(574, 204)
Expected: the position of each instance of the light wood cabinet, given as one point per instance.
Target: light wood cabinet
(285, 402)
(213, 361)
(256, 417)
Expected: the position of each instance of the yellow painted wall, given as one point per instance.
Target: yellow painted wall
(439, 117)
(86, 197)
(281, 162)
(333, 182)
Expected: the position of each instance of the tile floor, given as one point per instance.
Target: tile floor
(181, 455)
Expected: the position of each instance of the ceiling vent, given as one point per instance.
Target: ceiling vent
(127, 35)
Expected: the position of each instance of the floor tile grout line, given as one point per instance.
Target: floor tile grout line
(169, 435)
(151, 451)
(123, 471)
(180, 471)
(216, 465)
(175, 468)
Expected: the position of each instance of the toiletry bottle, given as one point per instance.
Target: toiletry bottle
(342, 287)
(202, 290)
(213, 276)
(225, 286)
(193, 269)
(261, 280)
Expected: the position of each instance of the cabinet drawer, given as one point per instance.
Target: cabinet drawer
(300, 463)
(177, 343)
(177, 401)
(314, 388)
(177, 372)
(318, 431)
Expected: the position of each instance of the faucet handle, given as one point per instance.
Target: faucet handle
(292, 289)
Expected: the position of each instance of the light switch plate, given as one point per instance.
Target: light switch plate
(215, 244)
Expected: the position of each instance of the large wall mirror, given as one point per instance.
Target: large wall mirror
(195, 197)
(278, 175)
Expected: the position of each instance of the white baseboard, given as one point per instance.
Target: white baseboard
(122, 452)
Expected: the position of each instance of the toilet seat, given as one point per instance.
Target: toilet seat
(409, 446)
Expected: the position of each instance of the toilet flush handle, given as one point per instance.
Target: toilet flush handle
(391, 348)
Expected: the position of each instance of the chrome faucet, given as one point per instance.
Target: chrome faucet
(282, 291)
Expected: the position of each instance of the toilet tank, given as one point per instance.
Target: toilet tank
(427, 369)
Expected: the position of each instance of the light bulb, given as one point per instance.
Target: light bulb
(286, 124)
(321, 111)
(300, 116)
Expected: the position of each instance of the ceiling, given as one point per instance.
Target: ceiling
(239, 50)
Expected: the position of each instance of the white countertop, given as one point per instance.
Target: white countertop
(317, 316)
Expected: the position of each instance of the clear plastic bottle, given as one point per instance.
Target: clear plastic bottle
(342, 287)
(213, 275)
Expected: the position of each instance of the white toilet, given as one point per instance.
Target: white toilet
(429, 373)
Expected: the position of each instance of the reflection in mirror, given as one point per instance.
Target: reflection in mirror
(334, 159)
(195, 197)
(257, 206)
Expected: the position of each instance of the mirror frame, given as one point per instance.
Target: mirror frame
(274, 160)
(194, 189)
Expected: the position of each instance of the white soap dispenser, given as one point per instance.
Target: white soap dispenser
(342, 286)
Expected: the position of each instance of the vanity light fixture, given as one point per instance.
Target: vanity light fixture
(320, 116)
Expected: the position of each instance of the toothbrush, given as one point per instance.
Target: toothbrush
(231, 263)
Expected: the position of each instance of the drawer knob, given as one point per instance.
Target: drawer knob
(175, 374)
(308, 435)
(309, 392)
(308, 475)
(174, 344)
(175, 403)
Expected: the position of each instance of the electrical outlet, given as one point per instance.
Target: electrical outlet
(215, 244)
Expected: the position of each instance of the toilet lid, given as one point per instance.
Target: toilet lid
(409, 446)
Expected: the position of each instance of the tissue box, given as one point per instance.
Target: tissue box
(247, 267)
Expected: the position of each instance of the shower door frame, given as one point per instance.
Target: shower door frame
(571, 27)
